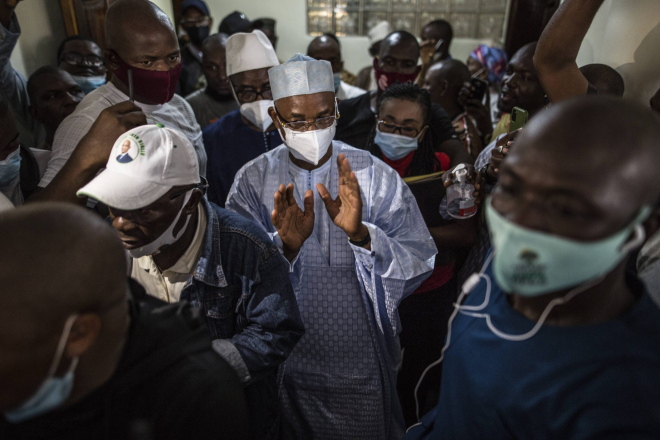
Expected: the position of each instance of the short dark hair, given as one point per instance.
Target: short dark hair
(424, 161)
(60, 50)
(34, 78)
(444, 26)
(604, 78)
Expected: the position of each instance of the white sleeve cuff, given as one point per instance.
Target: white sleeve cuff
(280, 245)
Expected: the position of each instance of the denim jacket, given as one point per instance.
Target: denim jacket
(242, 285)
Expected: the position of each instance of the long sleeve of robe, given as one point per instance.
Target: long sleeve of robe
(348, 296)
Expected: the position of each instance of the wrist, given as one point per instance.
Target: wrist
(289, 252)
(360, 234)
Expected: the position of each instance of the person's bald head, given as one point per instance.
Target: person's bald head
(58, 261)
(127, 20)
(214, 64)
(326, 48)
(64, 259)
(604, 78)
(583, 170)
(142, 35)
(444, 81)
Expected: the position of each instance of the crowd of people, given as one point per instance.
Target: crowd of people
(206, 242)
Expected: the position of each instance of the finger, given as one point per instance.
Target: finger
(290, 198)
(308, 202)
(124, 107)
(330, 205)
(134, 119)
(275, 219)
(277, 205)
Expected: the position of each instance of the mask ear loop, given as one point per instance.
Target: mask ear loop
(468, 286)
(61, 345)
(638, 240)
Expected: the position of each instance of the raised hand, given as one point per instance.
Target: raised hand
(293, 225)
(499, 153)
(108, 127)
(346, 210)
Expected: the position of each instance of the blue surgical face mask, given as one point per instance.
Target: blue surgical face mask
(10, 168)
(531, 263)
(336, 77)
(395, 146)
(54, 391)
(89, 83)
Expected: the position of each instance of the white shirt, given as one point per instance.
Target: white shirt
(169, 284)
(175, 114)
(42, 155)
(347, 91)
(5, 203)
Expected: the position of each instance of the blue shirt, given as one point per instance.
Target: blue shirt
(230, 144)
(598, 381)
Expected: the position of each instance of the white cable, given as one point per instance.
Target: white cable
(467, 287)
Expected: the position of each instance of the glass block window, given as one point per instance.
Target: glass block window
(470, 18)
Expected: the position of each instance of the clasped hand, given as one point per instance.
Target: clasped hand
(295, 225)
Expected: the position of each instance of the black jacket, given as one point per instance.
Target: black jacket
(169, 384)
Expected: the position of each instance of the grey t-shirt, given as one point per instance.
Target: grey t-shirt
(208, 110)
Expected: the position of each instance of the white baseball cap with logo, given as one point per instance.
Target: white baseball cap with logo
(145, 163)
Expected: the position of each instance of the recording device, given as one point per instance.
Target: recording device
(480, 87)
(519, 118)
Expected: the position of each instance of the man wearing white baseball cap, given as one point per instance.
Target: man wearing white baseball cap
(244, 134)
(356, 250)
(185, 248)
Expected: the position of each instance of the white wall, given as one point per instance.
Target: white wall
(626, 35)
(291, 16)
(42, 29)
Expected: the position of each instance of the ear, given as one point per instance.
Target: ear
(421, 135)
(211, 23)
(445, 87)
(111, 60)
(276, 121)
(84, 333)
(34, 112)
(191, 206)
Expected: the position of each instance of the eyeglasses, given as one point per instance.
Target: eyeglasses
(252, 95)
(388, 127)
(318, 124)
(196, 22)
(203, 185)
(76, 59)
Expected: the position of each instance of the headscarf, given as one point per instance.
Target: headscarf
(492, 58)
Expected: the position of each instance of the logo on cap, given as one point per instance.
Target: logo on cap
(128, 151)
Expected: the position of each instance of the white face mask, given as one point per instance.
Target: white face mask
(309, 146)
(257, 113)
(167, 238)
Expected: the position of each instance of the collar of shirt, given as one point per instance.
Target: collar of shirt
(188, 261)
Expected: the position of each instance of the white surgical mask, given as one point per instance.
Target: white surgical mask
(257, 113)
(54, 391)
(309, 146)
(166, 238)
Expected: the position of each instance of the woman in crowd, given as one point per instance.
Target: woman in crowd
(405, 137)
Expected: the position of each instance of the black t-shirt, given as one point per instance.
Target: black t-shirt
(356, 122)
(169, 384)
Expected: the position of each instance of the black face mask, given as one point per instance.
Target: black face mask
(198, 34)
